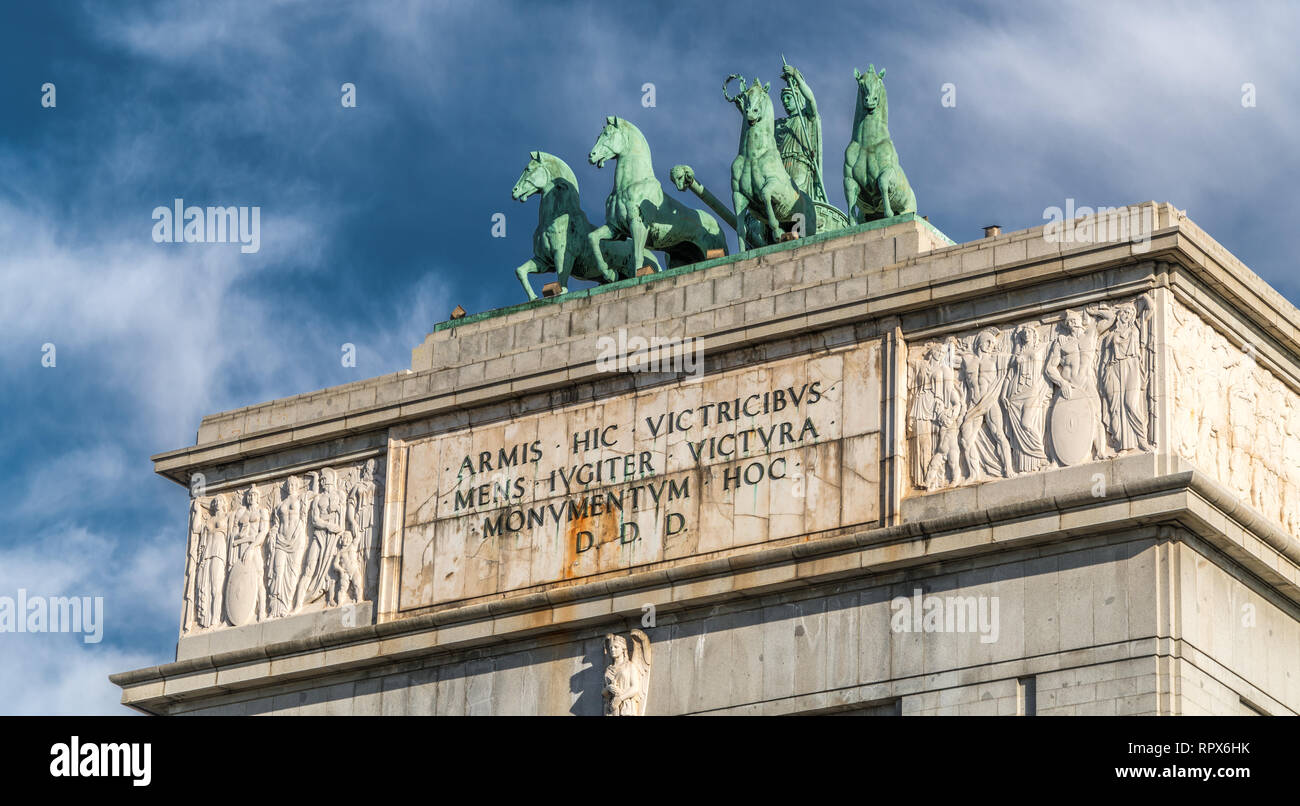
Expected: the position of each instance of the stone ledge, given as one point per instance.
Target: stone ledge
(1165, 499)
(864, 694)
(773, 253)
(274, 631)
(405, 396)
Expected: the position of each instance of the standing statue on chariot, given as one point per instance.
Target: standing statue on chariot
(799, 135)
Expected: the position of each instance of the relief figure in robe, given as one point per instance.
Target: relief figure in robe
(983, 436)
(211, 584)
(288, 546)
(1026, 397)
(1123, 357)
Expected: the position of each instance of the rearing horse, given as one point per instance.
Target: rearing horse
(638, 209)
(873, 179)
(760, 183)
(560, 241)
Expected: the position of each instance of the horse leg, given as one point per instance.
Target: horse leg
(564, 257)
(885, 184)
(529, 266)
(809, 209)
(772, 223)
(741, 204)
(601, 233)
(639, 233)
(851, 196)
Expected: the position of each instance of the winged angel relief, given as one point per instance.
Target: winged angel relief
(627, 679)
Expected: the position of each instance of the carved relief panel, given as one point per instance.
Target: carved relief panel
(1059, 390)
(293, 545)
(1234, 419)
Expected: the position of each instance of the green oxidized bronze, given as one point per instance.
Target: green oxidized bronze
(800, 138)
(760, 184)
(778, 188)
(560, 242)
(638, 209)
(874, 182)
(797, 141)
(799, 135)
(683, 177)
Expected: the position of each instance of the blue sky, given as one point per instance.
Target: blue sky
(376, 220)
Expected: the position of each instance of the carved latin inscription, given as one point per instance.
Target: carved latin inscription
(271, 550)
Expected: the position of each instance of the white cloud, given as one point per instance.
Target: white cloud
(1107, 103)
(55, 675)
(59, 673)
(161, 329)
(150, 338)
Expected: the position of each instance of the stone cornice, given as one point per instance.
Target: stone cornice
(1186, 498)
(927, 281)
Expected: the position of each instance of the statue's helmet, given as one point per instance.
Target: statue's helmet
(790, 99)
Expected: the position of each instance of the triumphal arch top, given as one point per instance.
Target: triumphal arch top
(850, 466)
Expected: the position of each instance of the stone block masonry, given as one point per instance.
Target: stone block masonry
(1011, 476)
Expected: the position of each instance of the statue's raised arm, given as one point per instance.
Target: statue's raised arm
(799, 134)
(795, 80)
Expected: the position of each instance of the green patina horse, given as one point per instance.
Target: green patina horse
(560, 242)
(638, 209)
(760, 182)
(874, 182)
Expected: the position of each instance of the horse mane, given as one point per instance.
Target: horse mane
(625, 123)
(642, 150)
(559, 169)
(769, 120)
(771, 110)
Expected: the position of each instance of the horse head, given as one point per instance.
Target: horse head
(533, 180)
(543, 172)
(754, 103)
(871, 88)
(609, 144)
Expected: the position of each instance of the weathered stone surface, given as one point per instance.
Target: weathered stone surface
(731, 460)
(1136, 557)
(1234, 418)
(289, 546)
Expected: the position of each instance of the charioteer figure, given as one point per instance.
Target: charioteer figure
(799, 135)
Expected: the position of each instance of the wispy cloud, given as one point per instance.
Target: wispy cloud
(138, 579)
(376, 219)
